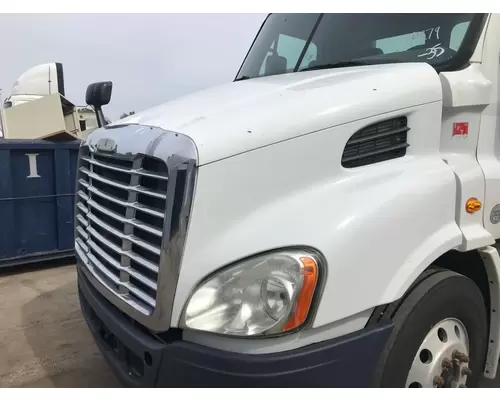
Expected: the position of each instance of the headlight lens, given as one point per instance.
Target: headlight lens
(268, 294)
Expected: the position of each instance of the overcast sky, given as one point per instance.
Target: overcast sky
(150, 58)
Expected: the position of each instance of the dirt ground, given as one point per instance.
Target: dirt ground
(44, 341)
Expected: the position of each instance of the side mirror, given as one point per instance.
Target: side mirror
(98, 95)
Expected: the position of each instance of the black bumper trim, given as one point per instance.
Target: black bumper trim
(141, 360)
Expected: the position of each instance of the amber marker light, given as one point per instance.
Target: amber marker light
(472, 205)
(304, 299)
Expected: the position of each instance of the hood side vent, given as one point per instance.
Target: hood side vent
(376, 143)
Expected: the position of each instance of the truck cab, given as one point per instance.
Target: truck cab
(329, 218)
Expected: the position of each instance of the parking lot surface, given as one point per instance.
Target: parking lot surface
(44, 341)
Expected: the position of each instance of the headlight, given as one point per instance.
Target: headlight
(267, 294)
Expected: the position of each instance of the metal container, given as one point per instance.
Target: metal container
(37, 190)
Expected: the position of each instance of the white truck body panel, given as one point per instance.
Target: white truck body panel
(232, 223)
(465, 93)
(234, 118)
(488, 145)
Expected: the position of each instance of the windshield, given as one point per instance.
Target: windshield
(297, 42)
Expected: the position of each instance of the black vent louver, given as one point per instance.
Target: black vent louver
(376, 143)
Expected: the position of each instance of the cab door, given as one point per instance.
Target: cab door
(488, 147)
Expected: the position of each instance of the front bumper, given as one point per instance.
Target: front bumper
(140, 359)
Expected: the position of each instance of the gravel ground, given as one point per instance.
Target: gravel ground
(44, 341)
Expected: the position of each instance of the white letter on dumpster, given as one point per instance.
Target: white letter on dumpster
(33, 166)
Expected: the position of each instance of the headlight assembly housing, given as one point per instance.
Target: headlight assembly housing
(264, 295)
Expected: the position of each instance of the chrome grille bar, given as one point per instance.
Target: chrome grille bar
(137, 206)
(119, 218)
(120, 169)
(119, 231)
(137, 189)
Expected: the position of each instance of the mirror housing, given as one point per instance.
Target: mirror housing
(99, 94)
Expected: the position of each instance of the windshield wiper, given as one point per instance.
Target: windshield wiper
(353, 63)
(342, 64)
(242, 78)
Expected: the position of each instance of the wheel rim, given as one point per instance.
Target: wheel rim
(442, 359)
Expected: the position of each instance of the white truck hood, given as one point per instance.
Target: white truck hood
(241, 116)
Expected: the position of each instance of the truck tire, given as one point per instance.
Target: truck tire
(440, 335)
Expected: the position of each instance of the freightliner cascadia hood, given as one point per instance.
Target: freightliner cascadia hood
(241, 116)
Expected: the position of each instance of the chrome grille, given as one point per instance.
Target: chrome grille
(120, 214)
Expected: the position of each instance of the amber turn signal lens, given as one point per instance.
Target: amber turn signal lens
(472, 205)
(310, 274)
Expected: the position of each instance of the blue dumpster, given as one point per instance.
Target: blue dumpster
(37, 190)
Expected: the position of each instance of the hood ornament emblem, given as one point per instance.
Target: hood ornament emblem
(106, 145)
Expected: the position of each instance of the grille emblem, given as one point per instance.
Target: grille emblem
(106, 145)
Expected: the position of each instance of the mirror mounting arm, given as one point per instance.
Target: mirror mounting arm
(101, 121)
